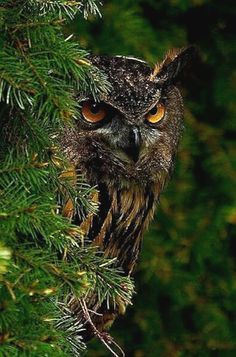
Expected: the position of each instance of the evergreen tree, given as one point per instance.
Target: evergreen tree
(44, 260)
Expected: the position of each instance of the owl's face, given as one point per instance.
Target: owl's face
(131, 134)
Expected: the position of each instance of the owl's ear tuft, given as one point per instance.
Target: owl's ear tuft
(175, 61)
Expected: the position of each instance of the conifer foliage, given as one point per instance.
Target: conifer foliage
(43, 258)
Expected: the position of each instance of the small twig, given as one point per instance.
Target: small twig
(104, 337)
(94, 312)
(10, 290)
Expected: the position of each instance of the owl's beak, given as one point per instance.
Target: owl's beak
(133, 148)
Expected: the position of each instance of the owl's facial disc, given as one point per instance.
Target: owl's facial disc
(125, 137)
(100, 115)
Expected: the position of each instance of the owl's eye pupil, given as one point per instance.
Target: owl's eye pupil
(94, 108)
(153, 111)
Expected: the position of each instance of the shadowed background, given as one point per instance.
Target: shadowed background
(186, 280)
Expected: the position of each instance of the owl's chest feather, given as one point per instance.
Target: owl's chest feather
(118, 227)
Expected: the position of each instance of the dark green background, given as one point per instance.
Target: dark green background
(186, 279)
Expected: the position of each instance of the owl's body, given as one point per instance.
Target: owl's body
(125, 145)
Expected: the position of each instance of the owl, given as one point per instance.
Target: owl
(125, 145)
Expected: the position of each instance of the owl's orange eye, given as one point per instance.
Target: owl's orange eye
(156, 114)
(93, 112)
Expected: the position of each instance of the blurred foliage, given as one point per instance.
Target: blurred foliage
(186, 280)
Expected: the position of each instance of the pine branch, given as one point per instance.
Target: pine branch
(60, 8)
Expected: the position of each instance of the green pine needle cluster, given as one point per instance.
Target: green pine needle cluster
(43, 256)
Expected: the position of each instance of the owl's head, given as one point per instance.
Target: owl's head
(131, 134)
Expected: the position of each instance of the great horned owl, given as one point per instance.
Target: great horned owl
(125, 144)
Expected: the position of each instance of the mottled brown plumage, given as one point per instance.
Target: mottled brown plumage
(128, 155)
